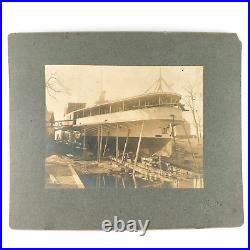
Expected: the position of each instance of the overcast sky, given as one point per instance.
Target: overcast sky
(83, 83)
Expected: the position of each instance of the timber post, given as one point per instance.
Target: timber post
(138, 146)
(117, 142)
(106, 144)
(100, 146)
(125, 146)
(98, 143)
(84, 138)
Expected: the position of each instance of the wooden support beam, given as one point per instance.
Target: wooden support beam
(117, 142)
(100, 146)
(138, 146)
(125, 145)
(98, 143)
(84, 138)
(106, 144)
(135, 183)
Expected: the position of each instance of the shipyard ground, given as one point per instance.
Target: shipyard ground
(82, 170)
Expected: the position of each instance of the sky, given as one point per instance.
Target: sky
(83, 83)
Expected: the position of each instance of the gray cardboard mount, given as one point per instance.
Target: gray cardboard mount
(219, 204)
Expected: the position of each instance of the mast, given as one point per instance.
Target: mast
(160, 85)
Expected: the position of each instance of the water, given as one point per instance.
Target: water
(109, 181)
(126, 180)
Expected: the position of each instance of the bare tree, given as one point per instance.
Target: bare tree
(190, 101)
(199, 123)
(54, 86)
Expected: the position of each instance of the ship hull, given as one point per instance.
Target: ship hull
(156, 126)
(148, 146)
(156, 136)
(161, 129)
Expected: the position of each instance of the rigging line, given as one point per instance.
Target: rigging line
(160, 88)
(168, 86)
(156, 85)
(151, 86)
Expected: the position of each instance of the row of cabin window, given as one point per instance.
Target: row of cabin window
(124, 106)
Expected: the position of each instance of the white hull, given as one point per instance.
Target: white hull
(160, 129)
(157, 123)
(146, 114)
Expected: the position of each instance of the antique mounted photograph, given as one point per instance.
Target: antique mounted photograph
(124, 126)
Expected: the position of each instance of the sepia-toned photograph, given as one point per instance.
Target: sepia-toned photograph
(123, 126)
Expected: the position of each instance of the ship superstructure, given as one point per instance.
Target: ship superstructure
(147, 123)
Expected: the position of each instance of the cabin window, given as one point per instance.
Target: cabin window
(86, 113)
(117, 107)
(95, 111)
(130, 105)
(163, 100)
(150, 101)
(159, 100)
(104, 110)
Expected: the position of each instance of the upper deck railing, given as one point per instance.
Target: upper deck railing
(132, 103)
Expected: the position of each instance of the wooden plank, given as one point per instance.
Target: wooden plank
(100, 146)
(106, 144)
(117, 142)
(98, 143)
(139, 144)
(84, 138)
(125, 146)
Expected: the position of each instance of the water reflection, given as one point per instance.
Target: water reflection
(129, 180)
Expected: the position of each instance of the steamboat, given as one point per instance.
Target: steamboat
(145, 124)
